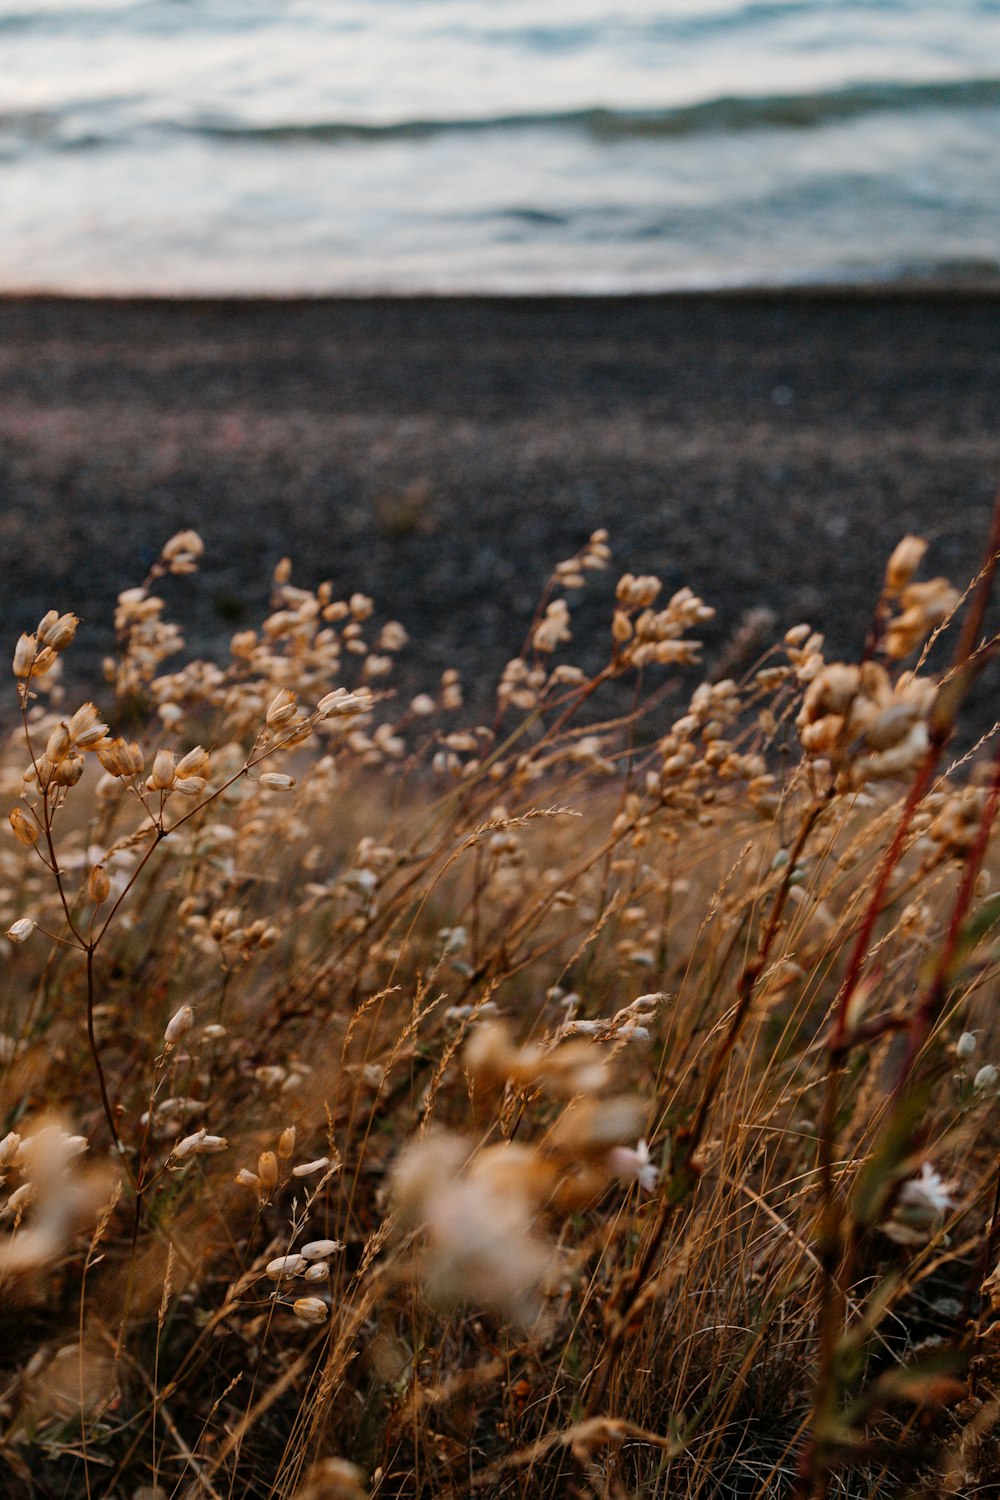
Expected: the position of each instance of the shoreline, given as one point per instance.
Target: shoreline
(869, 290)
(443, 453)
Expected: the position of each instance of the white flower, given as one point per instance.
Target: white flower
(986, 1078)
(965, 1046)
(634, 1166)
(925, 1198)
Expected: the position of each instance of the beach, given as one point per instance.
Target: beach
(441, 455)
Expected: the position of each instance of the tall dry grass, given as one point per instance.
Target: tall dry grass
(549, 1106)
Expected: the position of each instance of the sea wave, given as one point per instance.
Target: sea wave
(84, 128)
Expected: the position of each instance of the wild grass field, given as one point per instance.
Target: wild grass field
(595, 1101)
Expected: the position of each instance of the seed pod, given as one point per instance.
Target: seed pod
(25, 831)
(21, 930)
(285, 1266)
(86, 728)
(194, 763)
(310, 1168)
(162, 776)
(282, 708)
(57, 745)
(98, 885)
(321, 1249)
(904, 562)
(310, 1309)
(286, 1142)
(179, 1025)
(121, 758)
(57, 632)
(276, 781)
(267, 1170)
(24, 654)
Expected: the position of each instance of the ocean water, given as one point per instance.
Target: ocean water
(314, 146)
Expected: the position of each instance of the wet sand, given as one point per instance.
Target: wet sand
(442, 454)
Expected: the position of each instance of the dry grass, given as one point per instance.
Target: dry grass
(551, 1106)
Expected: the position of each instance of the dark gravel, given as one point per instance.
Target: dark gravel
(441, 455)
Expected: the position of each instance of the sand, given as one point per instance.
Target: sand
(441, 454)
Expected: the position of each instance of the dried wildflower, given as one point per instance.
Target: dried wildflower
(24, 654)
(985, 1081)
(553, 630)
(593, 1127)
(310, 1168)
(924, 1199)
(194, 763)
(322, 1249)
(25, 829)
(98, 884)
(121, 758)
(164, 771)
(246, 1178)
(21, 930)
(341, 703)
(276, 781)
(10, 1145)
(482, 1247)
(282, 709)
(904, 562)
(634, 1166)
(333, 1479)
(286, 1142)
(285, 1267)
(267, 1170)
(311, 1309)
(182, 551)
(57, 631)
(965, 1046)
(179, 1025)
(199, 1144)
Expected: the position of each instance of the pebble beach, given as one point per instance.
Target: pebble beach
(442, 454)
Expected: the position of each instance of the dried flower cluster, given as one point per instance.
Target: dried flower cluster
(459, 1106)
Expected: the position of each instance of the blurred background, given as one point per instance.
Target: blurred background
(245, 146)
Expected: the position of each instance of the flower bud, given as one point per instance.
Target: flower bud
(25, 831)
(194, 763)
(321, 1249)
(340, 701)
(310, 1168)
(285, 1266)
(98, 885)
(24, 654)
(179, 1025)
(67, 772)
(162, 776)
(904, 562)
(57, 744)
(57, 633)
(121, 757)
(276, 781)
(318, 1271)
(86, 729)
(310, 1309)
(199, 1144)
(282, 708)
